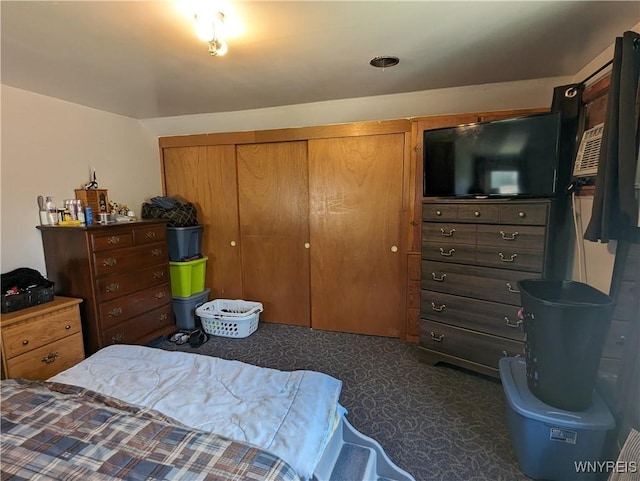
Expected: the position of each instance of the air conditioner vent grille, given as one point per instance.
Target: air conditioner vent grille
(588, 153)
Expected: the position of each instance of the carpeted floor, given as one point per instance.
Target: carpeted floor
(437, 423)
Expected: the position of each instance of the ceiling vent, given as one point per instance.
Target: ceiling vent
(588, 153)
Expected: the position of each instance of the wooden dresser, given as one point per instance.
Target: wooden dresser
(473, 255)
(121, 271)
(41, 341)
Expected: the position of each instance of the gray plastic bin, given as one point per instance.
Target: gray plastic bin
(184, 242)
(184, 309)
(565, 326)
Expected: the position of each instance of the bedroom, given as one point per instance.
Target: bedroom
(42, 154)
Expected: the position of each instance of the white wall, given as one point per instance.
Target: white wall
(472, 98)
(47, 148)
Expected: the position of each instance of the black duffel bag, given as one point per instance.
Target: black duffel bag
(175, 211)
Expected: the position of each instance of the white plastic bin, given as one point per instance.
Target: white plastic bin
(230, 318)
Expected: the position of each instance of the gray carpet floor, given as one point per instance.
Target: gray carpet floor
(437, 423)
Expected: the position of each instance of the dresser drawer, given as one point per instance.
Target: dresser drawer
(21, 338)
(114, 240)
(130, 258)
(449, 252)
(132, 330)
(531, 214)
(121, 284)
(510, 258)
(439, 212)
(490, 317)
(479, 213)
(527, 237)
(123, 308)
(150, 234)
(485, 283)
(47, 360)
(468, 345)
(449, 232)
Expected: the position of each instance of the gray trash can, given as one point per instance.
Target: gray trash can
(565, 325)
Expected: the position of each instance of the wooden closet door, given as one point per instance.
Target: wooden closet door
(274, 224)
(206, 176)
(355, 186)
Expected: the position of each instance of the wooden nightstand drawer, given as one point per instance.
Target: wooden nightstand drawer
(48, 360)
(27, 336)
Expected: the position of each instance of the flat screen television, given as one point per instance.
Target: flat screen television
(515, 157)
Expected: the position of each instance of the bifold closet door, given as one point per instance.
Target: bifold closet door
(355, 186)
(206, 176)
(273, 200)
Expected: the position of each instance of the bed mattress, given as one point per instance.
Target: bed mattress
(290, 414)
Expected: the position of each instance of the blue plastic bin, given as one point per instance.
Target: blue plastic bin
(184, 309)
(550, 443)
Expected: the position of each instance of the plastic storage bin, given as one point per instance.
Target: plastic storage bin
(565, 326)
(184, 242)
(230, 318)
(550, 443)
(184, 309)
(187, 278)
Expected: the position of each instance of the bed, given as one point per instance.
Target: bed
(285, 425)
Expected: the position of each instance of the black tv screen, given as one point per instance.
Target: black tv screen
(503, 158)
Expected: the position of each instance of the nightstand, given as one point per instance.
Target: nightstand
(41, 341)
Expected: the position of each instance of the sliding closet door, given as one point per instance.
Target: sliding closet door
(355, 186)
(206, 176)
(273, 200)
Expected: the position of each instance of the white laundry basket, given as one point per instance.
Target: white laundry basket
(230, 318)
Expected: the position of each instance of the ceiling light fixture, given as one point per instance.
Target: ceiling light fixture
(384, 61)
(210, 28)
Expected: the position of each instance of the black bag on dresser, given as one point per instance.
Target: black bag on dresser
(24, 287)
(176, 212)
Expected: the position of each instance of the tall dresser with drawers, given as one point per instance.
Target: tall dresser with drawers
(474, 252)
(121, 271)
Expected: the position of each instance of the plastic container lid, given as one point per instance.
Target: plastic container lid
(522, 400)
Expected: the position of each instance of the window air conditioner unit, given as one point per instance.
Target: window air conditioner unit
(587, 159)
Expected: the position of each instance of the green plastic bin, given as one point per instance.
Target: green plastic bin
(187, 278)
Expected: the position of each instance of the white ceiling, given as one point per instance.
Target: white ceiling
(141, 58)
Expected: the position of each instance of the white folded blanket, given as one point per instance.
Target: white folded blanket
(291, 414)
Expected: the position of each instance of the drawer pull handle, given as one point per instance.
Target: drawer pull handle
(507, 236)
(160, 295)
(25, 342)
(68, 326)
(156, 252)
(506, 354)
(477, 213)
(511, 258)
(446, 254)
(414, 222)
(439, 308)
(115, 312)
(163, 317)
(49, 358)
(158, 274)
(511, 289)
(522, 215)
(445, 233)
(511, 324)
(150, 235)
(118, 337)
(109, 262)
(438, 213)
(438, 279)
(114, 239)
(438, 338)
(113, 287)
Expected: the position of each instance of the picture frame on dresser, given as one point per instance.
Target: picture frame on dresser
(121, 272)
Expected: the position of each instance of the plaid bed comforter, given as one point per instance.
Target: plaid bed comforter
(57, 431)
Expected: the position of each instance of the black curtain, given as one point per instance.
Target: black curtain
(615, 207)
(567, 101)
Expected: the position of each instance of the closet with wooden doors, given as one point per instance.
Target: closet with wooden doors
(310, 221)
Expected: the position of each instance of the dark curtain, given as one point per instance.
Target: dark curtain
(615, 207)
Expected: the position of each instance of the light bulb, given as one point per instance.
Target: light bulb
(218, 47)
(204, 29)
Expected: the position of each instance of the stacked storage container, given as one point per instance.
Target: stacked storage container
(187, 267)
